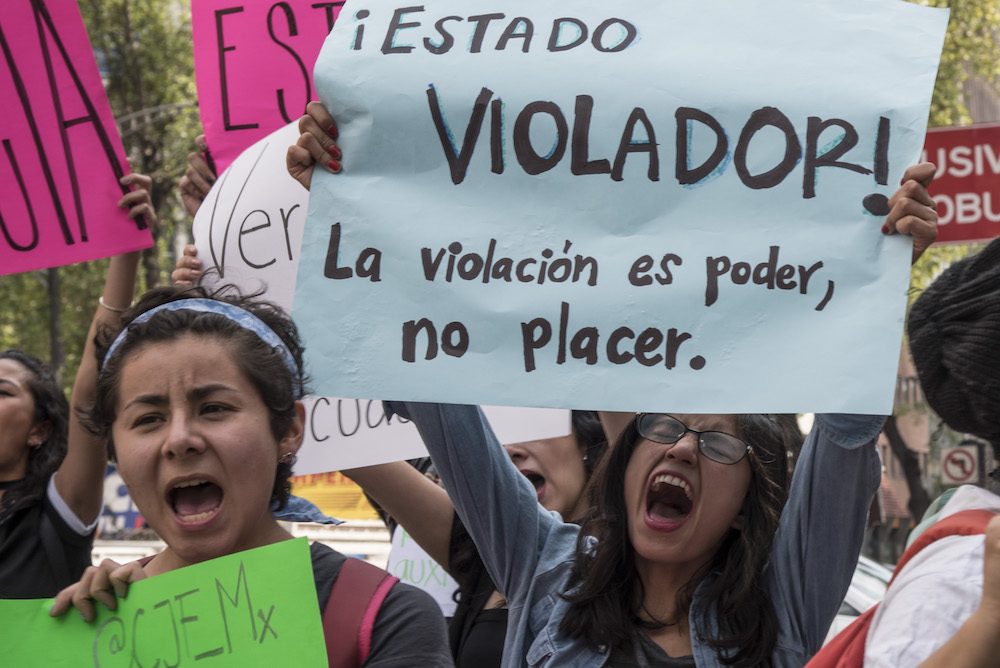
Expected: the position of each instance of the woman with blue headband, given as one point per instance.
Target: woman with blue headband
(199, 398)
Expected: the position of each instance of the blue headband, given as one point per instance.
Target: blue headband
(240, 316)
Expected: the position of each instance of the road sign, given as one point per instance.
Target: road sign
(959, 465)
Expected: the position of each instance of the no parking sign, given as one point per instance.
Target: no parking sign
(959, 465)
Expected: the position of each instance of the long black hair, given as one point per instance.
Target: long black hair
(44, 459)
(263, 365)
(606, 593)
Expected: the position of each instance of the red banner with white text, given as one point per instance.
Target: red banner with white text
(967, 186)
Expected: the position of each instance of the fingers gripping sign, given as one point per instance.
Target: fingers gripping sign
(103, 584)
(912, 210)
(198, 178)
(139, 201)
(316, 145)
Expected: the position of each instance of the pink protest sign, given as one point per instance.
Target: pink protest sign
(253, 66)
(60, 153)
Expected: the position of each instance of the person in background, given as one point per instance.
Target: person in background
(558, 469)
(51, 468)
(943, 607)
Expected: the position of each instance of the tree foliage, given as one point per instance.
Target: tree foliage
(971, 48)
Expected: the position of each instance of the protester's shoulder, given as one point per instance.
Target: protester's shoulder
(405, 599)
(325, 559)
(970, 497)
(952, 560)
(409, 631)
(326, 565)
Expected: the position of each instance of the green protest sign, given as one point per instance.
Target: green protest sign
(253, 608)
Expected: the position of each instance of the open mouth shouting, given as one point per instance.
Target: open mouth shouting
(669, 501)
(537, 480)
(194, 500)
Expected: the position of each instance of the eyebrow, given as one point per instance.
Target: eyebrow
(195, 394)
(10, 382)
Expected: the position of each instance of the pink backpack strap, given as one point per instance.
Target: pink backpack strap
(371, 612)
(349, 617)
(847, 648)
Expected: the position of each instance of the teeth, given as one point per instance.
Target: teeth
(195, 518)
(666, 478)
(190, 483)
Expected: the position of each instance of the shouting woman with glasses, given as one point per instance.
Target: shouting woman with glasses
(694, 551)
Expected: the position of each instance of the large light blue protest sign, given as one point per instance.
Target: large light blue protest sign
(631, 205)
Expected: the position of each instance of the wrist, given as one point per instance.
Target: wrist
(114, 309)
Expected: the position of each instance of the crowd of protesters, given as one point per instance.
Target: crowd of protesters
(652, 539)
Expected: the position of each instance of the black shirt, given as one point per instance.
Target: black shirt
(28, 568)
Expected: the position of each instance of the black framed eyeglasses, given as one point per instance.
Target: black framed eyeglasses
(716, 445)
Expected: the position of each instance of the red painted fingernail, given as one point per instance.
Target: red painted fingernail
(334, 151)
(885, 228)
(334, 166)
(333, 131)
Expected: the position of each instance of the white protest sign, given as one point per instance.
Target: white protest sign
(248, 232)
(409, 563)
(626, 205)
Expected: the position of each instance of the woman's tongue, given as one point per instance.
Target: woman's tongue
(668, 502)
(666, 511)
(197, 501)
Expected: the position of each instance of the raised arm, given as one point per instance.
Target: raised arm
(497, 505)
(80, 478)
(420, 506)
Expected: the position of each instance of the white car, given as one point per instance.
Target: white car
(868, 586)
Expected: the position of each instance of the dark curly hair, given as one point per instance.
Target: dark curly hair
(263, 365)
(606, 593)
(43, 460)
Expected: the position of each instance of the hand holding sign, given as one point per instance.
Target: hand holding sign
(198, 178)
(61, 160)
(672, 240)
(913, 211)
(316, 145)
(103, 584)
(248, 608)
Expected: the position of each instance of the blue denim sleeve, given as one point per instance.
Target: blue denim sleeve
(496, 503)
(823, 526)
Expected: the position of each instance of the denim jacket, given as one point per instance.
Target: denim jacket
(528, 551)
